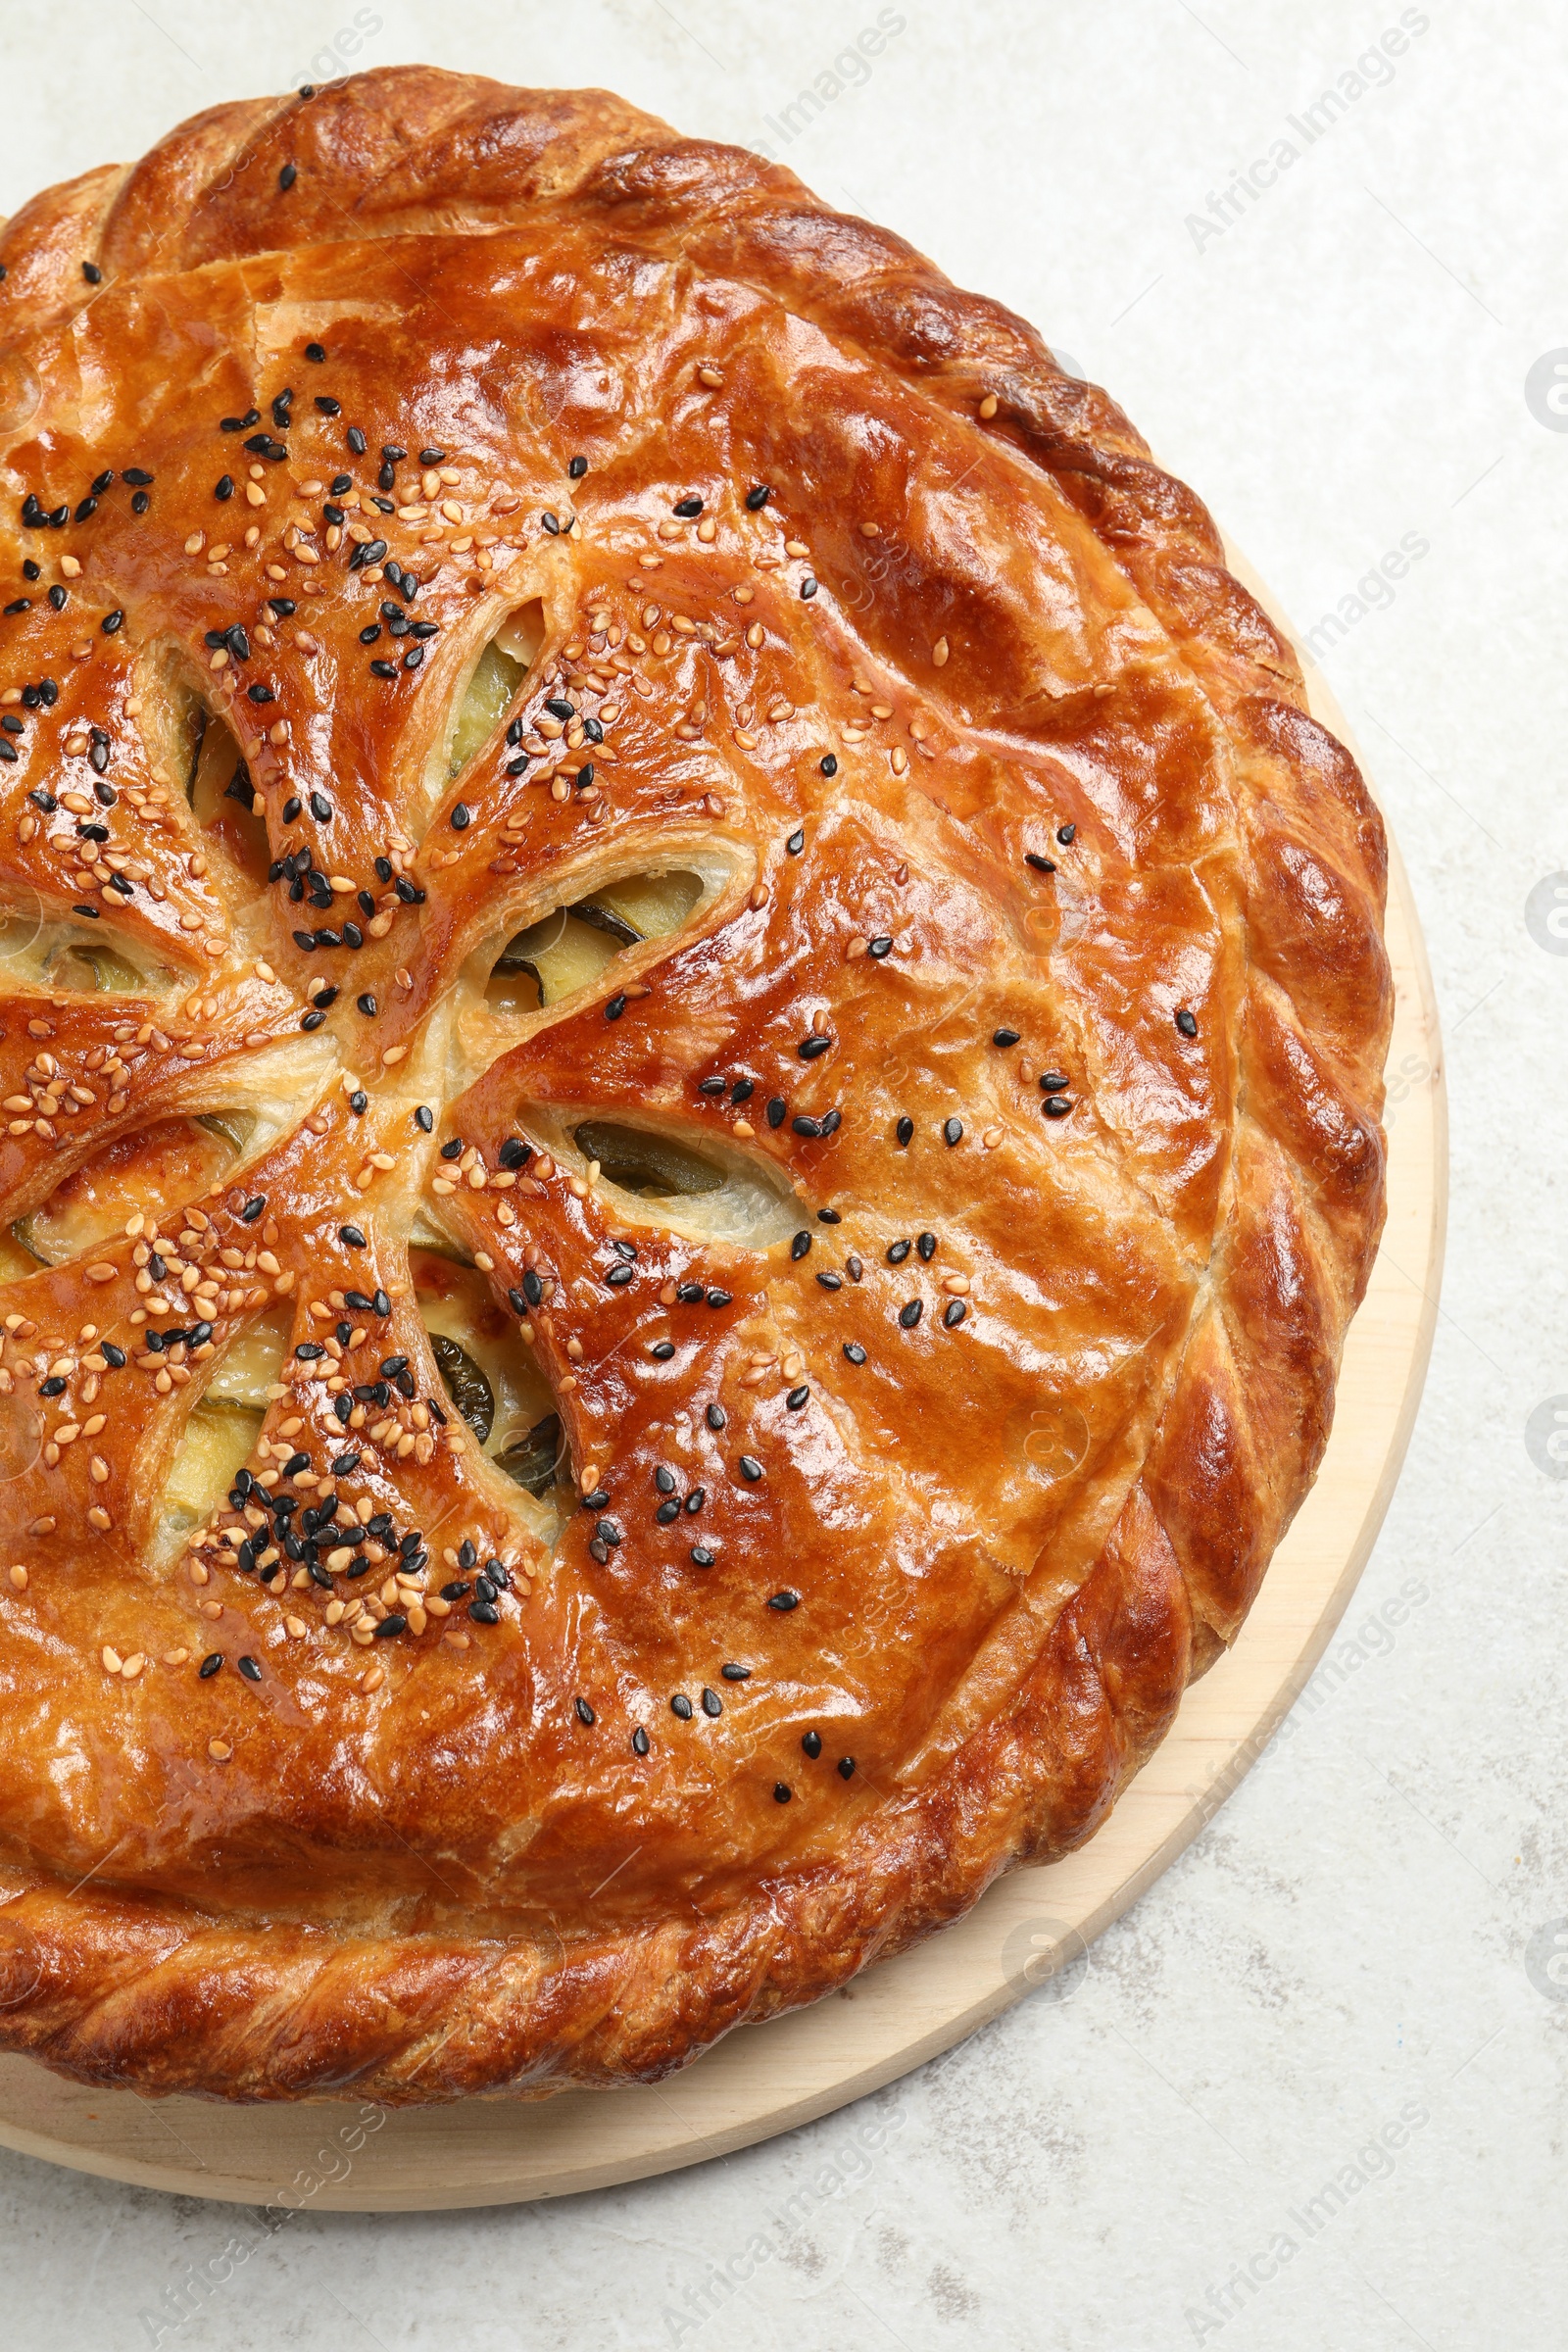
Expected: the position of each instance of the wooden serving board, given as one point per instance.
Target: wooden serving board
(1030, 1932)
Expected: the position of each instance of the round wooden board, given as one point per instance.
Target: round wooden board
(1031, 1929)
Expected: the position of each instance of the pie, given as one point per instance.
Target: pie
(690, 1044)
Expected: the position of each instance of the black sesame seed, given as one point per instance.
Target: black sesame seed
(877, 949)
(639, 1741)
(253, 1208)
(784, 1600)
(1187, 1022)
(487, 1614)
(249, 1669)
(715, 1417)
(1042, 865)
(811, 1048)
(927, 1248)
(357, 442)
(758, 496)
(327, 405)
(718, 1297)
(1054, 1081)
(776, 1108)
(210, 1664)
(584, 1711)
(811, 1743)
(1065, 834)
(910, 1313)
(702, 1558)
(92, 274)
(905, 1130)
(953, 1313)
(688, 509)
(750, 1469)
(112, 622)
(781, 1793)
(681, 1706)
(796, 1399)
(315, 351)
(801, 1125)
(288, 175)
(661, 1350)
(1003, 1037)
(846, 1768)
(696, 1499)
(1056, 1106)
(800, 1245)
(854, 1351)
(898, 1251)
(577, 467)
(808, 587)
(953, 1133)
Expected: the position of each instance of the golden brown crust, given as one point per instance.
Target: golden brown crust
(437, 1864)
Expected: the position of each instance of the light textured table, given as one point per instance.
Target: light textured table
(1307, 2093)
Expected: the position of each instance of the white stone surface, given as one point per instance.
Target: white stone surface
(1346, 1944)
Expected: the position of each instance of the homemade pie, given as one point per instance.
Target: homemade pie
(691, 1045)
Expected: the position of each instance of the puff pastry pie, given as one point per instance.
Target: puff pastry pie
(690, 1039)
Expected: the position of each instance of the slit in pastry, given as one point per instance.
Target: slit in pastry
(554, 958)
(495, 683)
(491, 1377)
